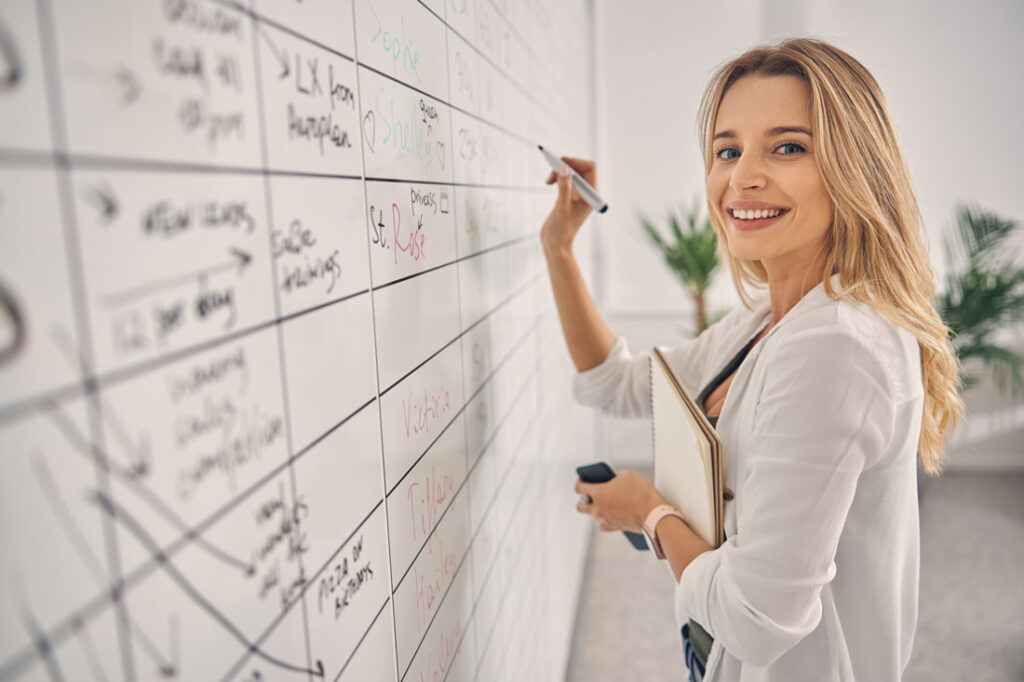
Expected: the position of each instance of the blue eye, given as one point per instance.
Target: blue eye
(791, 145)
(723, 153)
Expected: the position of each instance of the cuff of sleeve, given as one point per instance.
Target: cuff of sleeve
(693, 591)
(591, 386)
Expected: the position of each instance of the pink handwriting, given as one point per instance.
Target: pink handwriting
(433, 406)
(446, 648)
(414, 244)
(426, 506)
(429, 591)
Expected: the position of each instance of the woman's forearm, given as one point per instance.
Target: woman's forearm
(586, 333)
(680, 544)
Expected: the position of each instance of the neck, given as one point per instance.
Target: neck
(787, 287)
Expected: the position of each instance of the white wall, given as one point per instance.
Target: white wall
(951, 74)
(653, 59)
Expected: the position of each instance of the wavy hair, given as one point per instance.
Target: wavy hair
(876, 243)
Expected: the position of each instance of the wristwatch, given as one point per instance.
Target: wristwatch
(651, 527)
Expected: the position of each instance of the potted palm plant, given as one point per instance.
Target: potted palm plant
(983, 297)
(692, 254)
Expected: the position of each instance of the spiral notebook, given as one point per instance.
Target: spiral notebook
(687, 454)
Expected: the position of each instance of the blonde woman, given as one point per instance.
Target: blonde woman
(828, 393)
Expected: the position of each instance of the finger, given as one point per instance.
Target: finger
(587, 169)
(580, 165)
(565, 191)
(585, 489)
(583, 507)
(551, 179)
(606, 528)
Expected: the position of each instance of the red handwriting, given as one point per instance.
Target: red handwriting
(446, 648)
(433, 407)
(414, 244)
(426, 503)
(429, 591)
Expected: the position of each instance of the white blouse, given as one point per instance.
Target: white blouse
(818, 577)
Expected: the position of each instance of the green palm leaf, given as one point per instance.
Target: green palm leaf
(985, 296)
(690, 250)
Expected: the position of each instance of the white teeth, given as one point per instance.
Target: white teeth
(754, 215)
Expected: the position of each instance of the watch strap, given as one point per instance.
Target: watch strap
(651, 525)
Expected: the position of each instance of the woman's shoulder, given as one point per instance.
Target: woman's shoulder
(856, 333)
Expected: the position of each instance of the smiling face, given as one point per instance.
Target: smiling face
(764, 184)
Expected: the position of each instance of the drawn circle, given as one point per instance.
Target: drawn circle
(12, 326)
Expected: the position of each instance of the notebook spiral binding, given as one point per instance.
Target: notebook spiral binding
(650, 396)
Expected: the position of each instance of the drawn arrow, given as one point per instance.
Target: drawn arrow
(167, 665)
(103, 200)
(101, 458)
(138, 454)
(111, 508)
(279, 55)
(10, 60)
(239, 259)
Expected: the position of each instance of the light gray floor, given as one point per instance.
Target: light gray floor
(971, 618)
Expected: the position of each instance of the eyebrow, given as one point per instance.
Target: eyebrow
(772, 132)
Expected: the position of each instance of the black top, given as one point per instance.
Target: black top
(700, 640)
(722, 376)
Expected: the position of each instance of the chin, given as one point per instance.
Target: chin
(746, 254)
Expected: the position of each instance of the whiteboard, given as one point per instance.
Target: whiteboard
(283, 393)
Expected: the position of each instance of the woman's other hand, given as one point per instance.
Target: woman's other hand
(570, 210)
(622, 503)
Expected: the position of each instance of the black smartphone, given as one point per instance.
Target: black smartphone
(600, 472)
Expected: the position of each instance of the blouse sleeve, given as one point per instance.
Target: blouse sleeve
(826, 413)
(621, 385)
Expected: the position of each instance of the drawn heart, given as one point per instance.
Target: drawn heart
(370, 130)
(441, 157)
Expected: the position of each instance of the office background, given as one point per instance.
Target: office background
(952, 75)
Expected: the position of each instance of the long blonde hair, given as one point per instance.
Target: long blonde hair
(876, 243)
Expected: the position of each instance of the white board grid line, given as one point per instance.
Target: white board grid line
(15, 158)
(463, 482)
(505, 531)
(390, 604)
(533, 520)
(85, 350)
(282, 358)
(525, 91)
(107, 379)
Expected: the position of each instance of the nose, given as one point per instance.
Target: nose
(748, 172)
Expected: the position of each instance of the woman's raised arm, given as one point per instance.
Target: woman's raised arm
(586, 333)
